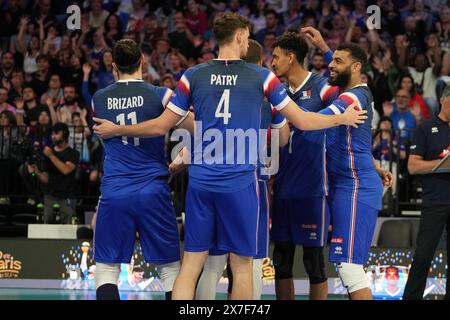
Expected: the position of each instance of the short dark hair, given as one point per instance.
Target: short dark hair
(293, 42)
(271, 11)
(62, 127)
(42, 57)
(226, 24)
(254, 53)
(11, 117)
(127, 56)
(76, 114)
(356, 52)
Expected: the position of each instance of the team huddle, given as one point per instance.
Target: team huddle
(321, 128)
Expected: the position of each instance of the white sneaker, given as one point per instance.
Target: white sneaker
(4, 201)
(31, 202)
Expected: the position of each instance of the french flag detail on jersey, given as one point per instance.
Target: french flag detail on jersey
(184, 84)
(306, 94)
(275, 92)
(166, 97)
(180, 99)
(327, 92)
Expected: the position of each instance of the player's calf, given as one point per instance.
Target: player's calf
(106, 281)
(314, 263)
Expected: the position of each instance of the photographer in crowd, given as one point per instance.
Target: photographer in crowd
(58, 175)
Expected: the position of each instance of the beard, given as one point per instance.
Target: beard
(69, 101)
(341, 79)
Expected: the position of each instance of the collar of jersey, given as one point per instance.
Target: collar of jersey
(130, 80)
(360, 85)
(301, 85)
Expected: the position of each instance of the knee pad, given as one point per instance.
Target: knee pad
(168, 272)
(314, 263)
(106, 273)
(352, 276)
(283, 259)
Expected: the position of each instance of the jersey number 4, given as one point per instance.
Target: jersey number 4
(121, 120)
(225, 103)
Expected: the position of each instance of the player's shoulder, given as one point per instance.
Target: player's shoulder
(105, 91)
(194, 69)
(263, 71)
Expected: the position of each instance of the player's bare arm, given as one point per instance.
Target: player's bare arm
(386, 176)
(147, 129)
(283, 133)
(314, 121)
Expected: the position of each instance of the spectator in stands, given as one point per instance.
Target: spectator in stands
(70, 105)
(150, 32)
(58, 175)
(29, 48)
(97, 16)
(40, 78)
(407, 82)
(15, 85)
(79, 135)
(431, 143)
(257, 18)
(168, 81)
(176, 67)
(160, 58)
(113, 29)
(402, 118)
(7, 65)
(272, 25)
(318, 64)
(424, 76)
(196, 19)
(165, 16)
(8, 159)
(136, 16)
(4, 105)
(181, 37)
(386, 150)
(30, 106)
(292, 17)
(104, 74)
(54, 92)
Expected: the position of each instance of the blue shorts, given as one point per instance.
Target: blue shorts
(149, 212)
(353, 228)
(227, 222)
(263, 225)
(302, 221)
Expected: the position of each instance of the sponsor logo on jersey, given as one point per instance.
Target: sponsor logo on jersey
(338, 250)
(313, 236)
(337, 240)
(434, 130)
(309, 226)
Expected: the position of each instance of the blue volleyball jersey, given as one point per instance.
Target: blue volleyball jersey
(131, 163)
(302, 167)
(349, 152)
(227, 97)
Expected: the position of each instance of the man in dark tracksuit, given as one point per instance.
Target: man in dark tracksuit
(430, 144)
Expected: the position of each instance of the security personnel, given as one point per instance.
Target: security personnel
(430, 144)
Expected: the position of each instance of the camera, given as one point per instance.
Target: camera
(30, 152)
